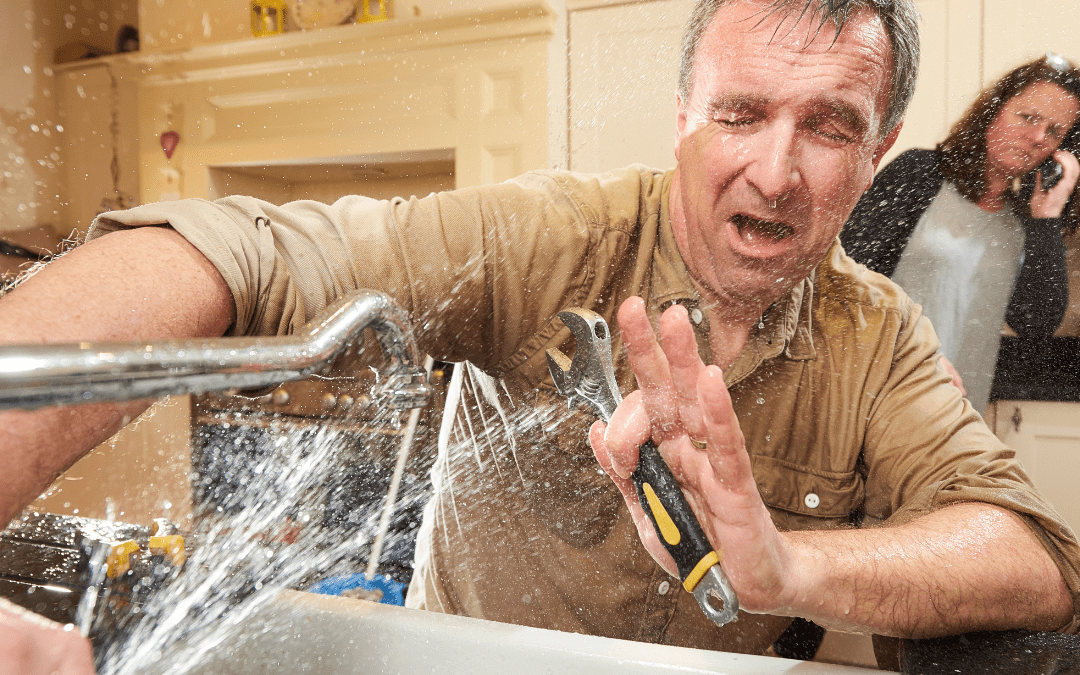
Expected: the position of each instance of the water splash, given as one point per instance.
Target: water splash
(277, 521)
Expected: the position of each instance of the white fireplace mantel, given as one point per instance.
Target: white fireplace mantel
(471, 84)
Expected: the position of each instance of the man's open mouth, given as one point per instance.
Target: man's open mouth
(751, 228)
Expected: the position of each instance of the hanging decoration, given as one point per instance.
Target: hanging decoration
(169, 140)
(172, 177)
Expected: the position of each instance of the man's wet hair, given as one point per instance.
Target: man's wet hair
(900, 17)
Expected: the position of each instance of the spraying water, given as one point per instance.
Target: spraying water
(274, 515)
(268, 531)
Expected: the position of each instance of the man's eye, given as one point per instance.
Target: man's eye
(734, 121)
(831, 133)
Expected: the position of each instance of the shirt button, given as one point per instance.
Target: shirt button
(663, 588)
(696, 316)
(811, 500)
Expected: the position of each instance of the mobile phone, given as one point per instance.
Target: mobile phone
(1051, 172)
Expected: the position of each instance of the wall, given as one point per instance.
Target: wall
(472, 83)
(141, 473)
(30, 143)
(182, 24)
(33, 143)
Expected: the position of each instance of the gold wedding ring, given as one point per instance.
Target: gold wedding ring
(700, 445)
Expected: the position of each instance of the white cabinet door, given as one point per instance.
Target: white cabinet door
(624, 62)
(1046, 437)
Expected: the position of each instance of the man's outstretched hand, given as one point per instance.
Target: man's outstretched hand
(679, 398)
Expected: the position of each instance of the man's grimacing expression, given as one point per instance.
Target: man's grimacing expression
(779, 138)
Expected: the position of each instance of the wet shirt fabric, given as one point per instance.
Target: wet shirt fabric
(848, 419)
(960, 265)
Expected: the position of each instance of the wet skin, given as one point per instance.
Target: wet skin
(779, 138)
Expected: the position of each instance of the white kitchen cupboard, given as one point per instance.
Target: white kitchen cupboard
(1046, 438)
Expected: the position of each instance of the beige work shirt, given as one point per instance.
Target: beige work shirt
(848, 418)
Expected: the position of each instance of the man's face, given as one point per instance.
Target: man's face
(779, 138)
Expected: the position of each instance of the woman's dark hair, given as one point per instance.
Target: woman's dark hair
(963, 152)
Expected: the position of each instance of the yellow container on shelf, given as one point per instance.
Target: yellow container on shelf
(267, 17)
(368, 11)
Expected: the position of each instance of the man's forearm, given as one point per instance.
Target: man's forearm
(967, 567)
(143, 284)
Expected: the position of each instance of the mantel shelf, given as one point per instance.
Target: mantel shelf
(329, 46)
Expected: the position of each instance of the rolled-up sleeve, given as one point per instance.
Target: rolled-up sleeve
(926, 448)
(473, 267)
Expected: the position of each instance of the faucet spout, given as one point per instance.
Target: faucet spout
(37, 376)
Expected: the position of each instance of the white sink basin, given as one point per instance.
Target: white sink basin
(307, 633)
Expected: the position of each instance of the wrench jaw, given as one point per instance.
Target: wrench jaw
(589, 377)
(559, 365)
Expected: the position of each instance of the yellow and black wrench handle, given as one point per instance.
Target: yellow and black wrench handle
(681, 534)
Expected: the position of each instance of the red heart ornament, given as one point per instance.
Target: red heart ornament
(169, 141)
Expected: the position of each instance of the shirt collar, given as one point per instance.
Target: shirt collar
(785, 328)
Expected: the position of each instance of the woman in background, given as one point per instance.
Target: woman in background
(958, 230)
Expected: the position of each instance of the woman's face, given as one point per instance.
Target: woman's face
(1029, 127)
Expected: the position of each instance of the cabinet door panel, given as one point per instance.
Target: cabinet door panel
(1046, 437)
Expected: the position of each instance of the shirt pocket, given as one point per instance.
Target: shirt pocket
(802, 497)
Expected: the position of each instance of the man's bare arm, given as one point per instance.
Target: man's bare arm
(967, 567)
(142, 284)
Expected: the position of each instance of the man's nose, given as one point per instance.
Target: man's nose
(774, 169)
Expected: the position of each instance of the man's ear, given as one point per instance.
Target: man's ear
(887, 144)
(680, 122)
(880, 151)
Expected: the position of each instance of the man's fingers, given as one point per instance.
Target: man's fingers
(680, 348)
(650, 366)
(629, 430)
(726, 448)
(646, 530)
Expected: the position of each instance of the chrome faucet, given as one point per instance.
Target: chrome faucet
(36, 376)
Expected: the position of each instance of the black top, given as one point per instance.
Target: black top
(881, 225)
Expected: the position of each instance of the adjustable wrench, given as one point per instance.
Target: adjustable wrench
(590, 379)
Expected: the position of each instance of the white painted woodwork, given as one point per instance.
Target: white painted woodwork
(1046, 438)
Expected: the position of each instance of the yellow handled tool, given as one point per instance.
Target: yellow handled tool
(590, 379)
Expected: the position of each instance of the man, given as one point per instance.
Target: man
(783, 115)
